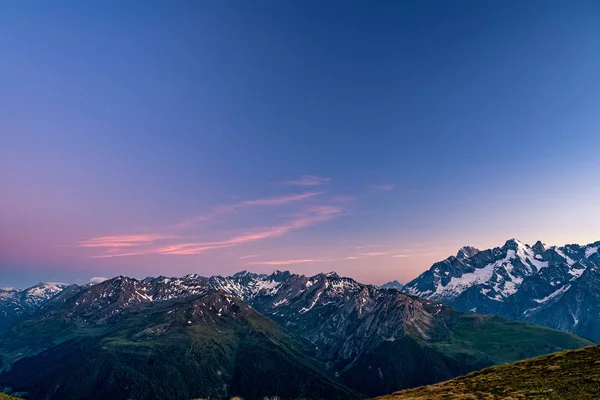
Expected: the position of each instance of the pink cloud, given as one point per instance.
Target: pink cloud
(123, 241)
(400, 256)
(309, 217)
(231, 208)
(111, 255)
(371, 246)
(248, 256)
(385, 187)
(308, 180)
(372, 254)
(278, 200)
(286, 262)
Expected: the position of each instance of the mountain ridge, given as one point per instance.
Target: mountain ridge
(367, 339)
(549, 285)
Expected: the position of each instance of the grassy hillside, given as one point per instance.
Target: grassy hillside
(7, 397)
(499, 340)
(571, 375)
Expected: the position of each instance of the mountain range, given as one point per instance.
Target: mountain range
(248, 335)
(558, 287)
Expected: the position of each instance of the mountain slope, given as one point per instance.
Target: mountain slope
(206, 345)
(567, 375)
(380, 339)
(558, 287)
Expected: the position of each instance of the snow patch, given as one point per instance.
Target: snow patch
(590, 251)
(553, 294)
(563, 255)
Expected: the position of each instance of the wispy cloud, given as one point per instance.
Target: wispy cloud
(400, 256)
(317, 260)
(360, 256)
(286, 262)
(115, 242)
(248, 256)
(308, 180)
(309, 217)
(146, 244)
(111, 254)
(371, 246)
(372, 254)
(234, 207)
(385, 187)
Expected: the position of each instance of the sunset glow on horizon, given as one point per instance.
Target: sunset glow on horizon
(368, 140)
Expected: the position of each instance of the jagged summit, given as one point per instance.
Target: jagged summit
(539, 247)
(466, 252)
(514, 244)
(393, 285)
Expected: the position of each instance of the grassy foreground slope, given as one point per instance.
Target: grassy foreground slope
(573, 374)
(7, 397)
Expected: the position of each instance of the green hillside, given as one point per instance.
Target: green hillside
(7, 397)
(573, 375)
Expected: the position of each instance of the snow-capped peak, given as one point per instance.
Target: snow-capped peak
(500, 272)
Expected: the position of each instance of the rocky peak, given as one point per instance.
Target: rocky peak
(514, 244)
(393, 285)
(539, 247)
(467, 252)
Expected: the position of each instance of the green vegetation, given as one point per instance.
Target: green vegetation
(497, 340)
(7, 397)
(571, 375)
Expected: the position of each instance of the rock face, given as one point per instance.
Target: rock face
(558, 287)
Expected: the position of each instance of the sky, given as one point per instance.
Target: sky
(155, 138)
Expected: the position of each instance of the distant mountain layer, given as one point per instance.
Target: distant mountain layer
(392, 285)
(573, 375)
(18, 304)
(558, 287)
(325, 336)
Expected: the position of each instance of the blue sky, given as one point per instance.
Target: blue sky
(368, 138)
